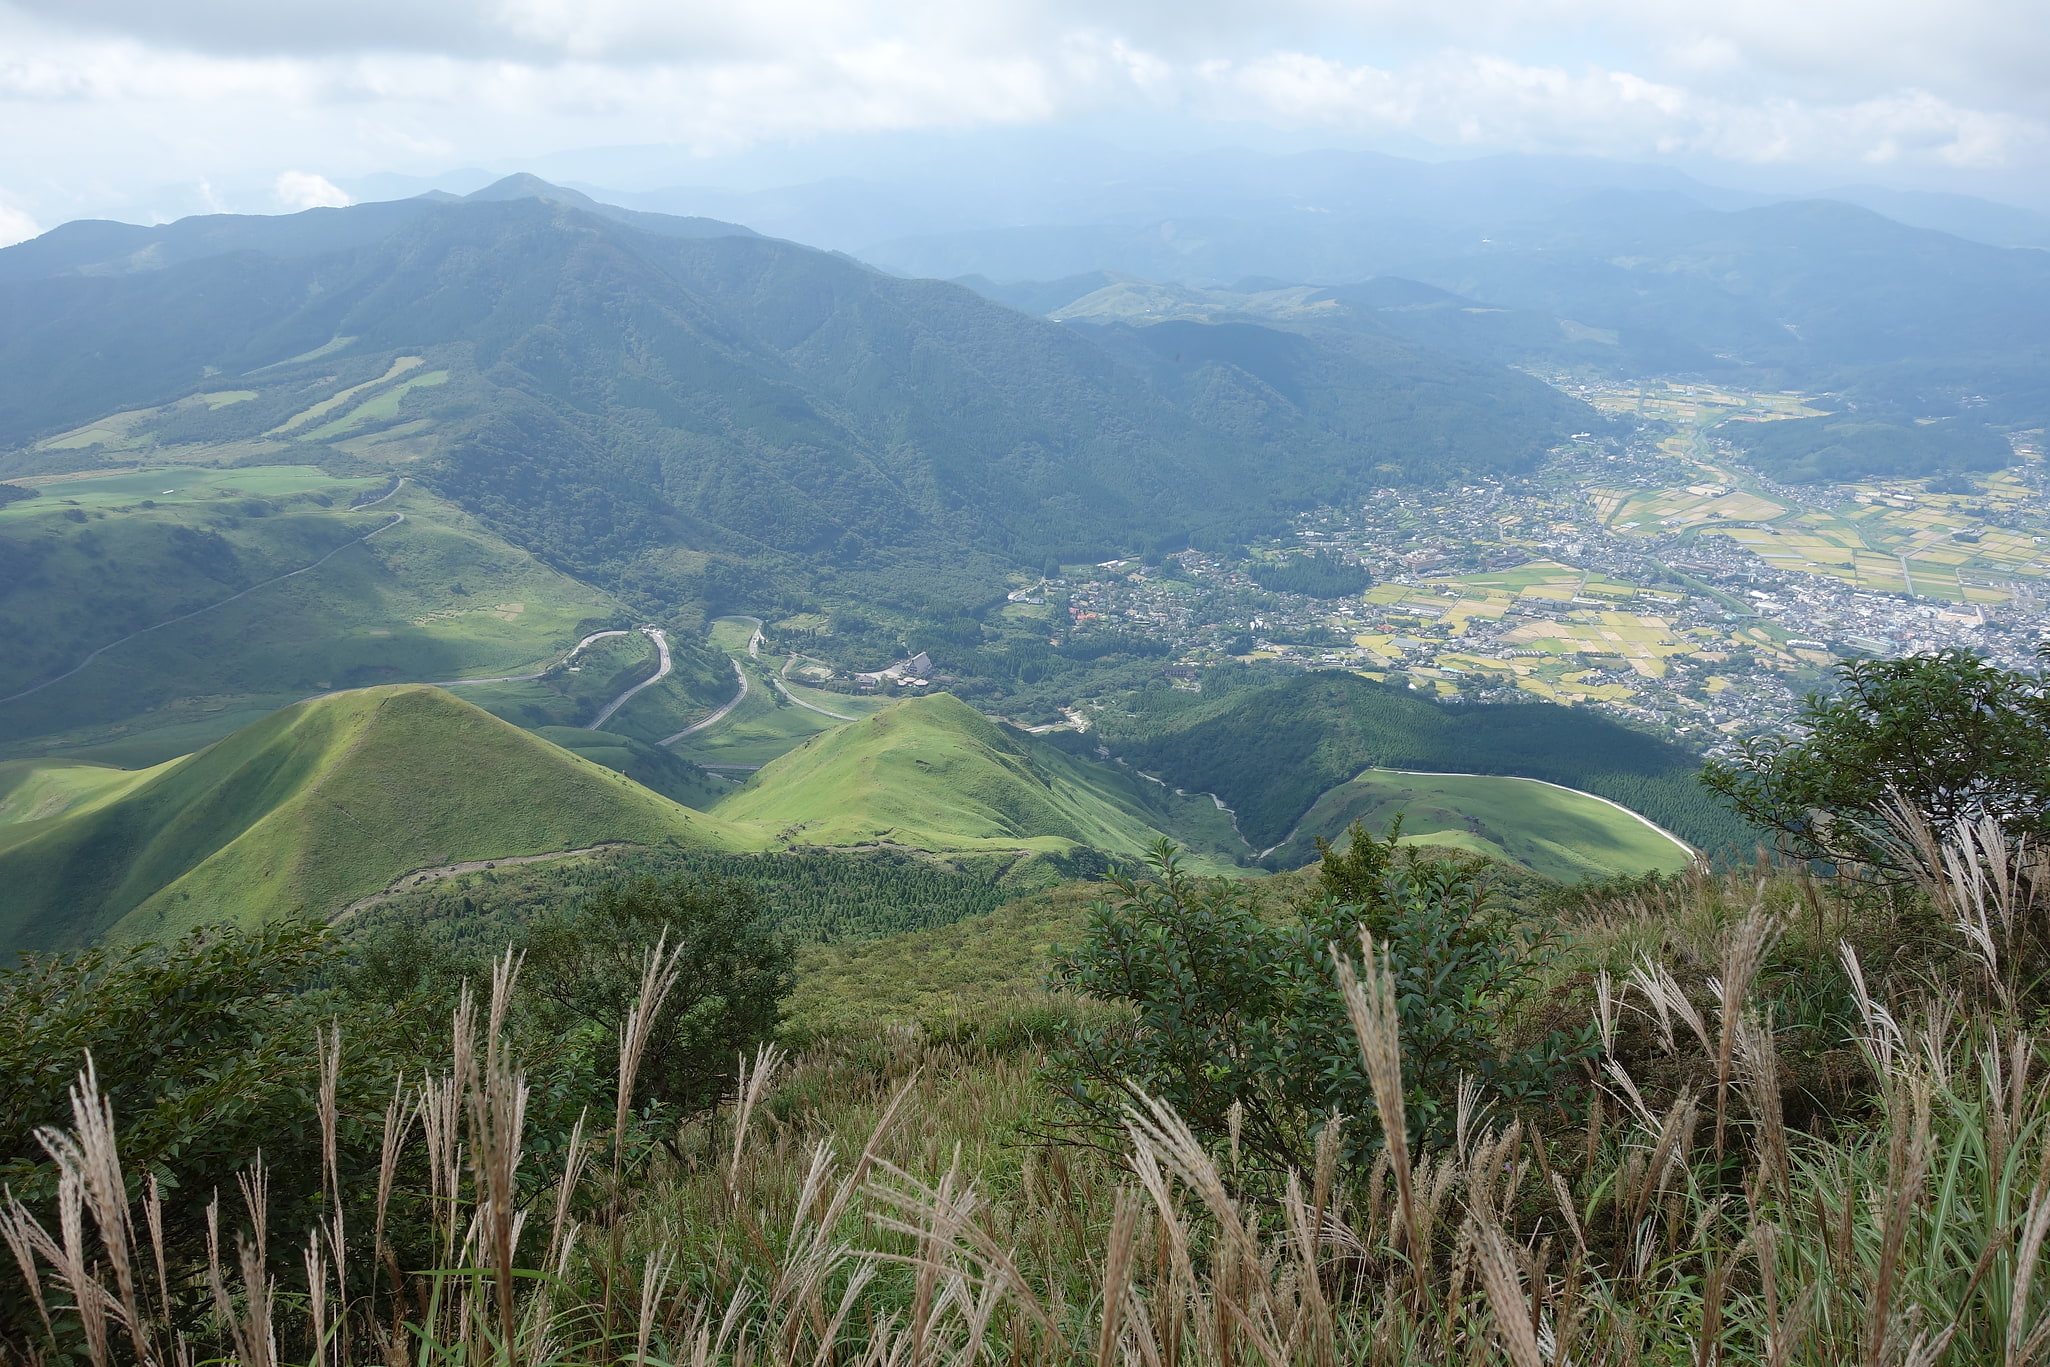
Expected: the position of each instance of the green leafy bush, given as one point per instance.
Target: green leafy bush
(1237, 1020)
(583, 971)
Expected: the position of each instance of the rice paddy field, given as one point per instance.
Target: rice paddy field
(1888, 536)
(1590, 617)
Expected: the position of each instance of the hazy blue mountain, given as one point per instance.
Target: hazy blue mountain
(1968, 216)
(1387, 307)
(1820, 294)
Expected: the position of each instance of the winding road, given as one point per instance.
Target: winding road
(661, 640)
(777, 680)
(738, 673)
(396, 519)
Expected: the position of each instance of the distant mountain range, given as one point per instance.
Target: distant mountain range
(620, 384)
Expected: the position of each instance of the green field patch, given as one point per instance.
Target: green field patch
(732, 634)
(378, 408)
(174, 486)
(426, 599)
(328, 405)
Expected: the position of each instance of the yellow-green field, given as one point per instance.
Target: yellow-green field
(1891, 536)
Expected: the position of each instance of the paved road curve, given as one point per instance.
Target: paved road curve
(738, 673)
(661, 640)
(522, 678)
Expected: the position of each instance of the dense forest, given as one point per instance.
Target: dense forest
(1318, 576)
(1854, 446)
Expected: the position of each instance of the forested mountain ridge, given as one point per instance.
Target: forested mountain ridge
(616, 394)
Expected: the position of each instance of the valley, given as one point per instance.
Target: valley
(828, 564)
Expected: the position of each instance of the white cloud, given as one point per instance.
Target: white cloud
(303, 190)
(131, 93)
(1489, 101)
(15, 226)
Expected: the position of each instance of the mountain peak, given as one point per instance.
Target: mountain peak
(525, 185)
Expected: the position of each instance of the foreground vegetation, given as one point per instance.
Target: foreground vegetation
(1377, 1112)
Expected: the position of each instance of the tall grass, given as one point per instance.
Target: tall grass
(867, 1201)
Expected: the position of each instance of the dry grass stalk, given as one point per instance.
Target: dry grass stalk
(752, 1085)
(1377, 1023)
(1742, 958)
(660, 969)
(1499, 1280)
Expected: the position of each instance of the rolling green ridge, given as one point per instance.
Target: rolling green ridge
(330, 801)
(320, 804)
(933, 773)
(433, 597)
(721, 417)
(1564, 835)
(1271, 752)
(346, 797)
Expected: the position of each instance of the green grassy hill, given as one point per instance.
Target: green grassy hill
(318, 805)
(329, 801)
(434, 597)
(1560, 833)
(933, 773)
(1272, 752)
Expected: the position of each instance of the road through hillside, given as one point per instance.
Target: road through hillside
(661, 640)
(522, 678)
(808, 706)
(740, 674)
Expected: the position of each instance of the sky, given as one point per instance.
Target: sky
(145, 110)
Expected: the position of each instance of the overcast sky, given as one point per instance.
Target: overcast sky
(142, 109)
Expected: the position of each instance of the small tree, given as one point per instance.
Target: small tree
(1236, 1017)
(1949, 733)
(583, 973)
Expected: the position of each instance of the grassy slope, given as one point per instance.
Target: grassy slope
(974, 964)
(934, 773)
(330, 800)
(319, 804)
(649, 765)
(1564, 835)
(1273, 751)
(37, 790)
(436, 597)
